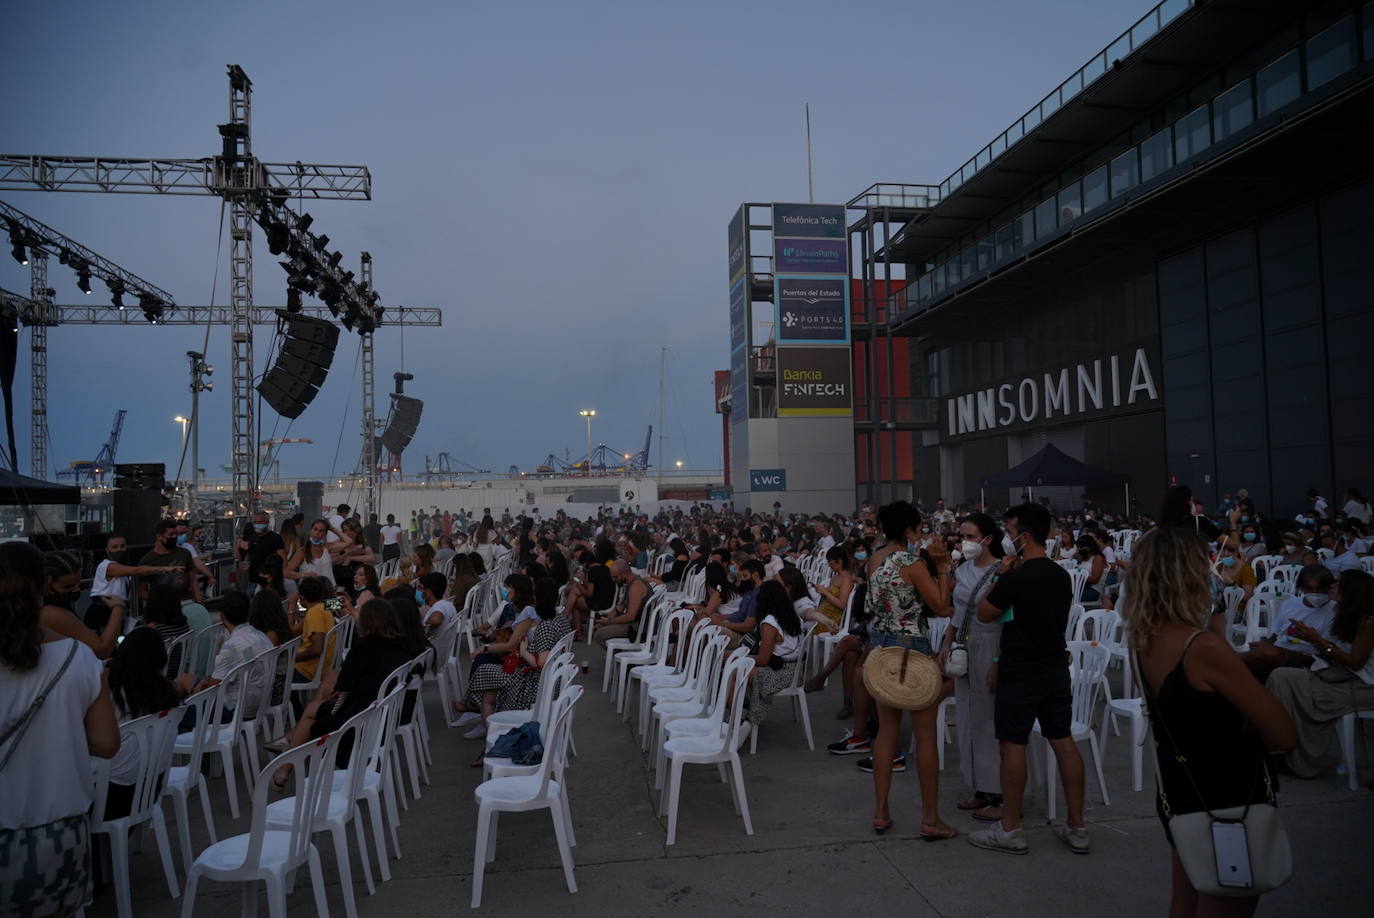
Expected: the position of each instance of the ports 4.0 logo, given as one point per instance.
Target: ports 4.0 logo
(789, 319)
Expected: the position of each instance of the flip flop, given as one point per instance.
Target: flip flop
(880, 826)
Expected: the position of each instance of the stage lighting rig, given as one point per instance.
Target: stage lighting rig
(37, 238)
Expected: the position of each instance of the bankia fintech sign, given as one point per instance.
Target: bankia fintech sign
(812, 308)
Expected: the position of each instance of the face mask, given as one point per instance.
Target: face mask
(259, 527)
(170, 543)
(420, 597)
(1316, 600)
(1009, 546)
(1228, 562)
(1245, 519)
(505, 594)
(315, 541)
(181, 539)
(971, 550)
(925, 530)
(1248, 536)
(860, 556)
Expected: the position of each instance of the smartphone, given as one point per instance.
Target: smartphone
(333, 604)
(1233, 855)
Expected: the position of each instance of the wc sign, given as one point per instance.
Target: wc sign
(768, 479)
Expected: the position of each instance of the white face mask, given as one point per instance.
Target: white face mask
(971, 550)
(1008, 545)
(1316, 600)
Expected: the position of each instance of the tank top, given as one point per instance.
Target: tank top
(1225, 759)
(318, 567)
(896, 607)
(105, 585)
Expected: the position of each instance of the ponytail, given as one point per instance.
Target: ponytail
(21, 602)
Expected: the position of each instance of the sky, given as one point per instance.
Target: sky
(557, 177)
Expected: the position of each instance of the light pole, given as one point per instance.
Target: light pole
(588, 414)
(199, 371)
(183, 422)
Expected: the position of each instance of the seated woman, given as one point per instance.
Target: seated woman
(1340, 680)
(802, 603)
(350, 549)
(493, 665)
(722, 598)
(521, 691)
(139, 686)
(362, 585)
(378, 650)
(779, 649)
(835, 594)
(1232, 568)
(162, 612)
(464, 578)
(413, 632)
(1089, 556)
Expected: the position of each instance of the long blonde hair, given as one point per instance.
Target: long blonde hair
(1169, 580)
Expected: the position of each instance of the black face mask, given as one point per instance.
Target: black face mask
(169, 544)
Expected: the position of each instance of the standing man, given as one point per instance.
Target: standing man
(336, 521)
(167, 553)
(1031, 596)
(263, 542)
(391, 539)
(372, 534)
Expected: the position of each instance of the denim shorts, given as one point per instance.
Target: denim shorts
(917, 642)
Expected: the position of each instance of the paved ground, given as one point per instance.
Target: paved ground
(812, 852)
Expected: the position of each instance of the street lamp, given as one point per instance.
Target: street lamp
(183, 422)
(588, 414)
(678, 463)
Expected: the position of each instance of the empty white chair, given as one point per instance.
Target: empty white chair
(1263, 564)
(207, 644)
(718, 746)
(675, 677)
(183, 779)
(1259, 612)
(180, 654)
(655, 653)
(378, 786)
(1133, 709)
(541, 790)
(654, 608)
(277, 715)
(339, 803)
(223, 738)
(1075, 616)
(1088, 669)
(152, 737)
(271, 855)
(1079, 582)
(691, 700)
(410, 737)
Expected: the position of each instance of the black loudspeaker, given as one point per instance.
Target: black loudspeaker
(302, 365)
(405, 418)
(310, 497)
(136, 514)
(140, 476)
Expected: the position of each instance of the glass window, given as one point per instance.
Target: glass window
(1023, 230)
(952, 275)
(1171, 8)
(1232, 110)
(1125, 172)
(1070, 204)
(937, 285)
(1014, 133)
(1004, 244)
(1071, 87)
(1156, 154)
(1330, 53)
(968, 258)
(983, 158)
(1119, 49)
(1046, 220)
(1278, 84)
(1192, 134)
(1000, 144)
(1095, 189)
(1094, 69)
(1050, 104)
(985, 253)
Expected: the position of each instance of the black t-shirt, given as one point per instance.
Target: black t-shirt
(603, 588)
(1038, 592)
(260, 548)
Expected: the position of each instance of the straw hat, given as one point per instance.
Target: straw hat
(903, 679)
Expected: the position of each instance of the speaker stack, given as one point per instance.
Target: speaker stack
(137, 500)
(400, 428)
(310, 498)
(302, 364)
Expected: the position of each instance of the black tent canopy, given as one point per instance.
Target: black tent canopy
(21, 491)
(1051, 467)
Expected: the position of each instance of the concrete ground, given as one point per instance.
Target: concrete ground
(812, 851)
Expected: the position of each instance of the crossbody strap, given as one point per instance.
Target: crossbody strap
(962, 637)
(21, 726)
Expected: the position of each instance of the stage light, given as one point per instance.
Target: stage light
(277, 238)
(117, 299)
(321, 241)
(335, 257)
(83, 281)
(303, 222)
(17, 250)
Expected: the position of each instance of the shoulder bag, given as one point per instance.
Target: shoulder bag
(21, 726)
(1234, 852)
(956, 664)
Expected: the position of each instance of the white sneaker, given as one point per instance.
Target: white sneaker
(468, 719)
(997, 839)
(1077, 839)
(477, 732)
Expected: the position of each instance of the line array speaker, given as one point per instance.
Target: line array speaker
(302, 365)
(400, 428)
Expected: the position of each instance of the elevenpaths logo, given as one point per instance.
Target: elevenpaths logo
(788, 253)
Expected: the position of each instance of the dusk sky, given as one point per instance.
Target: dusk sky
(557, 177)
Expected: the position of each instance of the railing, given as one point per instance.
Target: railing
(1130, 40)
(897, 196)
(1284, 80)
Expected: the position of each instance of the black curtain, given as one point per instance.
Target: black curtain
(9, 358)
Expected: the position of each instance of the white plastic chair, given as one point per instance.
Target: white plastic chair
(207, 644)
(1325, 554)
(1259, 612)
(654, 608)
(1075, 616)
(180, 651)
(378, 785)
(653, 661)
(1079, 582)
(828, 642)
(797, 694)
(339, 803)
(691, 700)
(1367, 564)
(681, 674)
(409, 737)
(1088, 669)
(557, 674)
(542, 790)
(1349, 749)
(272, 855)
(1263, 564)
(223, 738)
(1132, 708)
(277, 715)
(153, 736)
(720, 746)
(183, 779)
(330, 656)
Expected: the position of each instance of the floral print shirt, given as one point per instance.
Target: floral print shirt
(894, 603)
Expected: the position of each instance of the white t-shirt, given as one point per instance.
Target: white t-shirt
(825, 543)
(774, 565)
(1295, 610)
(1320, 506)
(788, 646)
(390, 534)
(445, 608)
(1357, 511)
(1345, 561)
(337, 522)
(103, 585)
(49, 777)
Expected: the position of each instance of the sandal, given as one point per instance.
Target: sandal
(978, 801)
(814, 684)
(941, 832)
(989, 813)
(881, 825)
